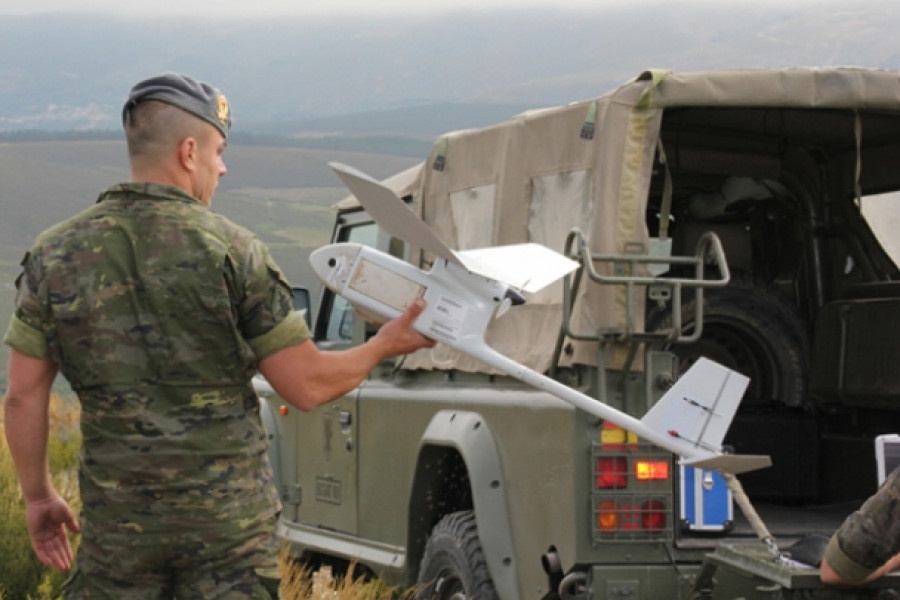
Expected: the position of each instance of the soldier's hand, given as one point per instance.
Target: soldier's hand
(48, 519)
(398, 335)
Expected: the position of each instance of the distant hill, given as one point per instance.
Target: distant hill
(399, 132)
(424, 122)
(73, 72)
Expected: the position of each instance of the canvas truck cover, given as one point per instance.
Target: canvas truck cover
(588, 165)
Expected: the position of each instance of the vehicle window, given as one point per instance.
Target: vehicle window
(301, 302)
(341, 315)
(882, 212)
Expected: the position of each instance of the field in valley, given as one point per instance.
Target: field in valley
(284, 194)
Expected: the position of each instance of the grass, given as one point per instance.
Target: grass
(21, 574)
(283, 194)
(300, 583)
(23, 577)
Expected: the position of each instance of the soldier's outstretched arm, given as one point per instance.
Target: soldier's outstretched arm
(307, 377)
(26, 421)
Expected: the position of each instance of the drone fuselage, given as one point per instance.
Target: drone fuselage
(690, 420)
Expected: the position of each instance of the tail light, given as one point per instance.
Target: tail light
(649, 516)
(653, 516)
(608, 516)
(651, 470)
(612, 472)
(632, 495)
(613, 437)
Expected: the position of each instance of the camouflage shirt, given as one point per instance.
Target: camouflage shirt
(157, 311)
(870, 536)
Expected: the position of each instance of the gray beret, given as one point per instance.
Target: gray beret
(198, 98)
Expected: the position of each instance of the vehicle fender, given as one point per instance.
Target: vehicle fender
(468, 433)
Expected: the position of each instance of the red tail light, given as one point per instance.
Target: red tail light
(612, 472)
(653, 516)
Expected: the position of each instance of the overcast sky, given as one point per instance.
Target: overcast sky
(278, 7)
(265, 8)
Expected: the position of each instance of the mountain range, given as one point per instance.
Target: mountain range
(371, 92)
(417, 75)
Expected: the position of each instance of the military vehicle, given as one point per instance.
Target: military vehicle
(721, 214)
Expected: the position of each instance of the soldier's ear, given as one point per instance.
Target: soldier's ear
(187, 154)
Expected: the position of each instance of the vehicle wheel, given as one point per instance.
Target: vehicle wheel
(453, 566)
(753, 329)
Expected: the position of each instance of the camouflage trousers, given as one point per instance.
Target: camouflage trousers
(182, 565)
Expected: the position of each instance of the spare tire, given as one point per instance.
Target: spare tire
(752, 328)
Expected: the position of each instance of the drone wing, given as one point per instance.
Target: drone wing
(527, 267)
(391, 213)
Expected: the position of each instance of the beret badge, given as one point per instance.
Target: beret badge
(223, 112)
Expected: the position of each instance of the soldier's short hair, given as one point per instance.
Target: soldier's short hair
(154, 129)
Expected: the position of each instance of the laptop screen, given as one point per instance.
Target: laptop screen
(887, 454)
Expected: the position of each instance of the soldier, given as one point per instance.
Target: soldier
(867, 545)
(158, 312)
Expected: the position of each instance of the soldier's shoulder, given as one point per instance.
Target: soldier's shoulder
(64, 228)
(234, 234)
(232, 227)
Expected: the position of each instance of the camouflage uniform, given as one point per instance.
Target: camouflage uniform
(870, 536)
(157, 311)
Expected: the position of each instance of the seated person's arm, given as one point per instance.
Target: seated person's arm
(867, 544)
(829, 575)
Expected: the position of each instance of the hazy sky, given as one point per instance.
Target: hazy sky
(273, 7)
(263, 8)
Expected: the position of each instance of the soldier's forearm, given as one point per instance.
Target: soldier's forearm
(26, 422)
(26, 434)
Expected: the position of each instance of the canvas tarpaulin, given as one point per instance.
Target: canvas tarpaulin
(541, 173)
(534, 178)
